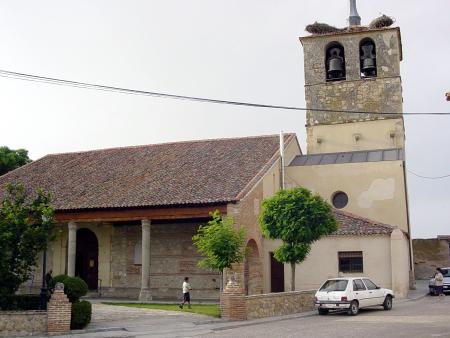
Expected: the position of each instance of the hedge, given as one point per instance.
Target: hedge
(19, 302)
(74, 287)
(81, 314)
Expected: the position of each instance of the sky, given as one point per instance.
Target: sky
(246, 50)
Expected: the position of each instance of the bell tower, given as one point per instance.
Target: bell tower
(353, 69)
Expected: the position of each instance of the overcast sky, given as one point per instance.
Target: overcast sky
(246, 50)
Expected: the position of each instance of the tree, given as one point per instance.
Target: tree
(299, 218)
(12, 159)
(220, 243)
(26, 227)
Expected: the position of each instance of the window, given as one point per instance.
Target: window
(339, 199)
(335, 62)
(138, 253)
(370, 285)
(350, 261)
(368, 58)
(334, 285)
(358, 285)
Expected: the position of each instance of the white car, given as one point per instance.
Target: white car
(446, 286)
(351, 294)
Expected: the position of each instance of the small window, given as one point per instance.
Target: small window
(138, 253)
(370, 285)
(339, 199)
(350, 261)
(358, 285)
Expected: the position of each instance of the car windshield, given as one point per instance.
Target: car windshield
(334, 285)
(446, 272)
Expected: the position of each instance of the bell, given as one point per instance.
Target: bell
(368, 67)
(335, 68)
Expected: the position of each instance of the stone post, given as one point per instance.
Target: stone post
(232, 301)
(71, 249)
(58, 311)
(145, 294)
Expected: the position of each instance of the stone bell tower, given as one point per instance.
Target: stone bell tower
(356, 69)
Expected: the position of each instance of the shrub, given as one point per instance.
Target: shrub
(74, 287)
(81, 314)
(19, 302)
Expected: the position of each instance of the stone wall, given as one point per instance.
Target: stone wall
(22, 323)
(430, 254)
(279, 304)
(173, 257)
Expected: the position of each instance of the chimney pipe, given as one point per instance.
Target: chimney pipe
(354, 19)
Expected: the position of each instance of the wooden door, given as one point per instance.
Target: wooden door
(276, 275)
(86, 264)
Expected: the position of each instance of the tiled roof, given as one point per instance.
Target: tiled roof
(350, 224)
(181, 173)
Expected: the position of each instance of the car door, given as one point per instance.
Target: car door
(375, 294)
(360, 292)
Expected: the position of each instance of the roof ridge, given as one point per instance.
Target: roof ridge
(166, 143)
(265, 168)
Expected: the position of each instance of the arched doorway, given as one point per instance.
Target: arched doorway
(252, 269)
(86, 264)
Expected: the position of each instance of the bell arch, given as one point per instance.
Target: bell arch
(335, 62)
(252, 269)
(86, 261)
(368, 58)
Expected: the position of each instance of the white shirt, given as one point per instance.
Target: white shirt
(186, 287)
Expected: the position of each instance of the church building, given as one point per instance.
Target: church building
(126, 216)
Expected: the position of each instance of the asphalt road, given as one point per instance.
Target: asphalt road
(425, 317)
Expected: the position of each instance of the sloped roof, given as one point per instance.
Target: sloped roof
(180, 173)
(354, 225)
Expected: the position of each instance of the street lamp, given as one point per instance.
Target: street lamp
(43, 300)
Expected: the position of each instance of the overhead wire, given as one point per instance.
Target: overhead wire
(428, 177)
(86, 85)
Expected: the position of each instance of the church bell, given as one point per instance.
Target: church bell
(335, 64)
(368, 66)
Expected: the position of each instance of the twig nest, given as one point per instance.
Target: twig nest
(322, 28)
(382, 21)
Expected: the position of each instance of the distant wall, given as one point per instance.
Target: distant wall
(428, 255)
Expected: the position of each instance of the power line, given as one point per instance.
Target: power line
(85, 85)
(428, 177)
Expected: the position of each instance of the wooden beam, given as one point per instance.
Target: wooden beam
(110, 215)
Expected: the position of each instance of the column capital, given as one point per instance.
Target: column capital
(72, 225)
(146, 222)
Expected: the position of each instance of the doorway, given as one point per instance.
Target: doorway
(276, 275)
(86, 263)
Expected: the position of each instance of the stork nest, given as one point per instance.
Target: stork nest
(322, 28)
(382, 21)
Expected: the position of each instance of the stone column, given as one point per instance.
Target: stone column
(145, 294)
(72, 249)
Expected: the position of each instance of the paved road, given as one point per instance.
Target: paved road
(426, 317)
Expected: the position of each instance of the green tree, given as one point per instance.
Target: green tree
(299, 218)
(26, 227)
(220, 243)
(12, 159)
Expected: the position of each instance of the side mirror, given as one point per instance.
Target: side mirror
(378, 287)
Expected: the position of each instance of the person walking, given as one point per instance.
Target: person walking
(439, 283)
(186, 295)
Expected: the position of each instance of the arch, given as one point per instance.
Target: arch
(368, 58)
(86, 262)
(252, 269)
(335, 62)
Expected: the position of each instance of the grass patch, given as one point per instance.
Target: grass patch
(212, 310)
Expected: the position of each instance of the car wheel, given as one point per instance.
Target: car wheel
(323, 312)
(387, 304)
(353, 310)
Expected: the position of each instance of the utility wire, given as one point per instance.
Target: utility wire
(85, 85)
(428, 177)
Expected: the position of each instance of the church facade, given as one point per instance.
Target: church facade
(126, 216)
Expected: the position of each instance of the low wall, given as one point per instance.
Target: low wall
(279, 304)
(22, 323)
